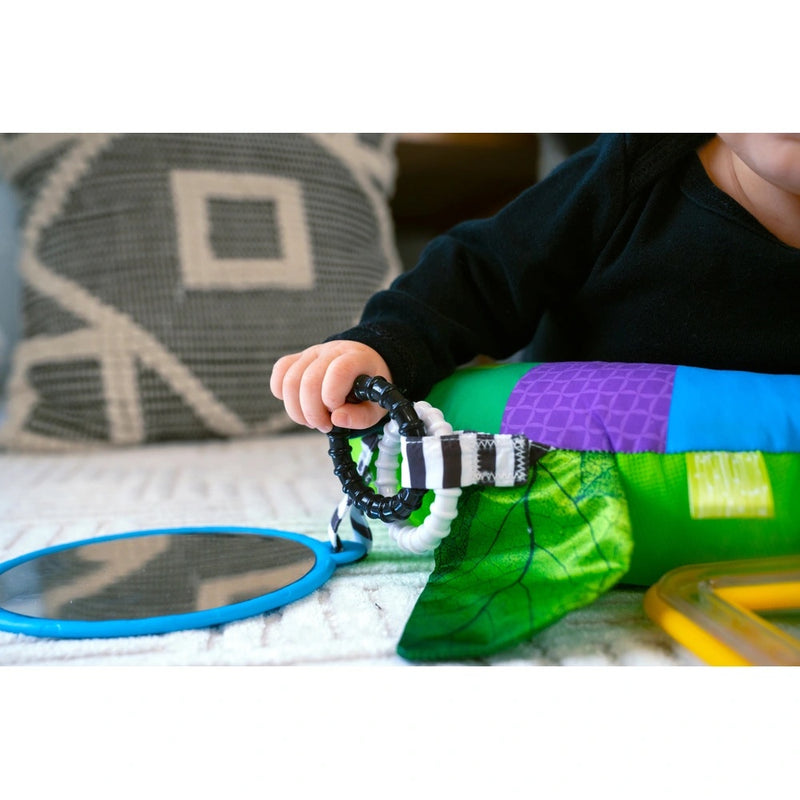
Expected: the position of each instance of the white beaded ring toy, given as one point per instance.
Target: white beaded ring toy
(436, 525)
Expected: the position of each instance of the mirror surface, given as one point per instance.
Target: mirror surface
(133, 577)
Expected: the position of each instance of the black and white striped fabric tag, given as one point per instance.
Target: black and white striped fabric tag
(465, 459)
(358, 521)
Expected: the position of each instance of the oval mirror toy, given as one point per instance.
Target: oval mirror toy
(158, 581)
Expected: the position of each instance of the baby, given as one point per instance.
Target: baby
(675, 249)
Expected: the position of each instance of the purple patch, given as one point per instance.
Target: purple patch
(593, 405)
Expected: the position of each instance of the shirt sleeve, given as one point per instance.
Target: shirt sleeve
(482, 287)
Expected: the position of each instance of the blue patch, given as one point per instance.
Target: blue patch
(729, 410)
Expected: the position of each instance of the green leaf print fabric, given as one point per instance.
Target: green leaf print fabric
(518, 560)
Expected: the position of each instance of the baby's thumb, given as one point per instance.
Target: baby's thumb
(357, 417)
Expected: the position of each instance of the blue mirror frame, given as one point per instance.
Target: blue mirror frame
(326, 561)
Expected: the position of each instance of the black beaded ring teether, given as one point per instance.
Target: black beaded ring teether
(376, 506)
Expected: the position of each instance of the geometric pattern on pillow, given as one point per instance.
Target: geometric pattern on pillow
(164, 274)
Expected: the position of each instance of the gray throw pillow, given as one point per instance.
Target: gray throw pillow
(164, 274)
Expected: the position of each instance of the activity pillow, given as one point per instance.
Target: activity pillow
(630, 470)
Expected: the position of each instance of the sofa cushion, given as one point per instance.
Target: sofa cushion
(164, 274)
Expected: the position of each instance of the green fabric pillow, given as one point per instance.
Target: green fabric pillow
(651, 467)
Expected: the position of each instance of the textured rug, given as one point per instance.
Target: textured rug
(283, 482)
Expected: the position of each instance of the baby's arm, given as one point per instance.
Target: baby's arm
(314, 385)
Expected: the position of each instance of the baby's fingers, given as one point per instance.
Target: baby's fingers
(279, 372)
(316, 412)
(338, 383)
(287, 381)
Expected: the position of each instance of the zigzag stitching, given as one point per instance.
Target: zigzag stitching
(521, 458)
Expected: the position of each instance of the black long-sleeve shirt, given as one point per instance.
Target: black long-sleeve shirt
(626, 252)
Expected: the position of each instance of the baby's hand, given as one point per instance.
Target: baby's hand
(314, 385)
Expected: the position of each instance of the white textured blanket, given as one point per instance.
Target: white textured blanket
(283, 482)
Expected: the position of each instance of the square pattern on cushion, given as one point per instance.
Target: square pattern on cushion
(164, 274)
